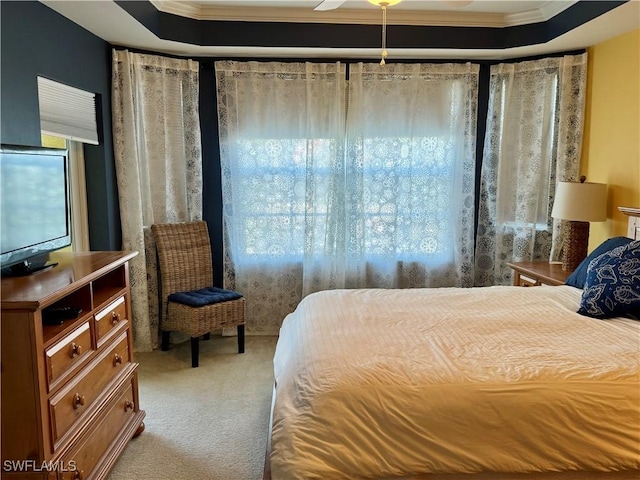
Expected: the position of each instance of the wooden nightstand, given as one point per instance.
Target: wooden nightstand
(532, 274)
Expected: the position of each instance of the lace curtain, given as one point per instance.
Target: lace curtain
(156, 131)
(533, 141)
(328, 184)
(411, 139)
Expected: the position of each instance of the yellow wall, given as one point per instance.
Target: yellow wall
(611, 146)
(52, 142)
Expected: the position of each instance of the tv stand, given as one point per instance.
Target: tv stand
(69, 390)
(26, 268)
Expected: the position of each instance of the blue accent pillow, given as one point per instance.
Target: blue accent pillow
(612, 288)
(579, 275)
(204, 296)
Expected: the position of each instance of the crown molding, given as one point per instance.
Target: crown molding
(546, 11)
(201, 11)
(183, 9)
(552, 8)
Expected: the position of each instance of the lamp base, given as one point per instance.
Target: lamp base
(576, 241)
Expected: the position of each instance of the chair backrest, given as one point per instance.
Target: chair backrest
(184, 253)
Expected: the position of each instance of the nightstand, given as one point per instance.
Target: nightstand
(532, 274)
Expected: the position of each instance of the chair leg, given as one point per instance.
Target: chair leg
(165, 340)
(195, 351)
(207, 336)
(240, 329)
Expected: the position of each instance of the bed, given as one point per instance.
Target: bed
(450, 384)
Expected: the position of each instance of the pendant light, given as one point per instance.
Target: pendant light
(384, 4)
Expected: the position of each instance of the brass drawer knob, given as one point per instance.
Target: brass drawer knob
(117, 360)
(115, 318)
(128, 405)
(76, 350)
(78, 400)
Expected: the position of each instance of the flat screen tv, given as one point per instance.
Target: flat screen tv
(35, 213)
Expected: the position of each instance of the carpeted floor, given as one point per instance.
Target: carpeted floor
(205, 423)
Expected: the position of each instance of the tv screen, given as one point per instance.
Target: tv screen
(34, 204)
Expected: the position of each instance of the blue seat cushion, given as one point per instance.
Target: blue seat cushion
(612, 288)
(204, 296)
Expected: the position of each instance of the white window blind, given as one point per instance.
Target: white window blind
(67, 112)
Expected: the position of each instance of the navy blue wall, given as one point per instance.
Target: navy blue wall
(36, 40)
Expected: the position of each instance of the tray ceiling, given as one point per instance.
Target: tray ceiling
(293, 29)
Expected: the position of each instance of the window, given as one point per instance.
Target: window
(318, 170)
(534, 133)
(408, 192)
(79, 216)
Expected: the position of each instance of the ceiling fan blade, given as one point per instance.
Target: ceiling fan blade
(329, 5)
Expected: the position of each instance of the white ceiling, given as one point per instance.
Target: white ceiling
(110, 22)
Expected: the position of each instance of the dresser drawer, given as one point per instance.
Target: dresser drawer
(68, 353)
(109, 318)
(93, 445)
(81, 394)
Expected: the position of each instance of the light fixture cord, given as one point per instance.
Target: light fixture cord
(384, 33)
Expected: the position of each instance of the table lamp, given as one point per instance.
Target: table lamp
(578, 203)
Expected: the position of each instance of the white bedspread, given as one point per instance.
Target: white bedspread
(382, 383)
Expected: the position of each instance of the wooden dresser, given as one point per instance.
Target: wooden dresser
(69, 391)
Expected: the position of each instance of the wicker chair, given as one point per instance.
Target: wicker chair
(184, 253)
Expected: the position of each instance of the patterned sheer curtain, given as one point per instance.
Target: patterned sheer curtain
(326, 186)
(410, 174)
(156, 131)
(282, 134)
(533, 141)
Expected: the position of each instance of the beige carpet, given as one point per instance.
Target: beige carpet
(205, 423)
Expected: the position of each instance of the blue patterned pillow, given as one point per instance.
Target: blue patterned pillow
(579, 276)
(612, 287)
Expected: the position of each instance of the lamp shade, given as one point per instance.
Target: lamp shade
(580, 202)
